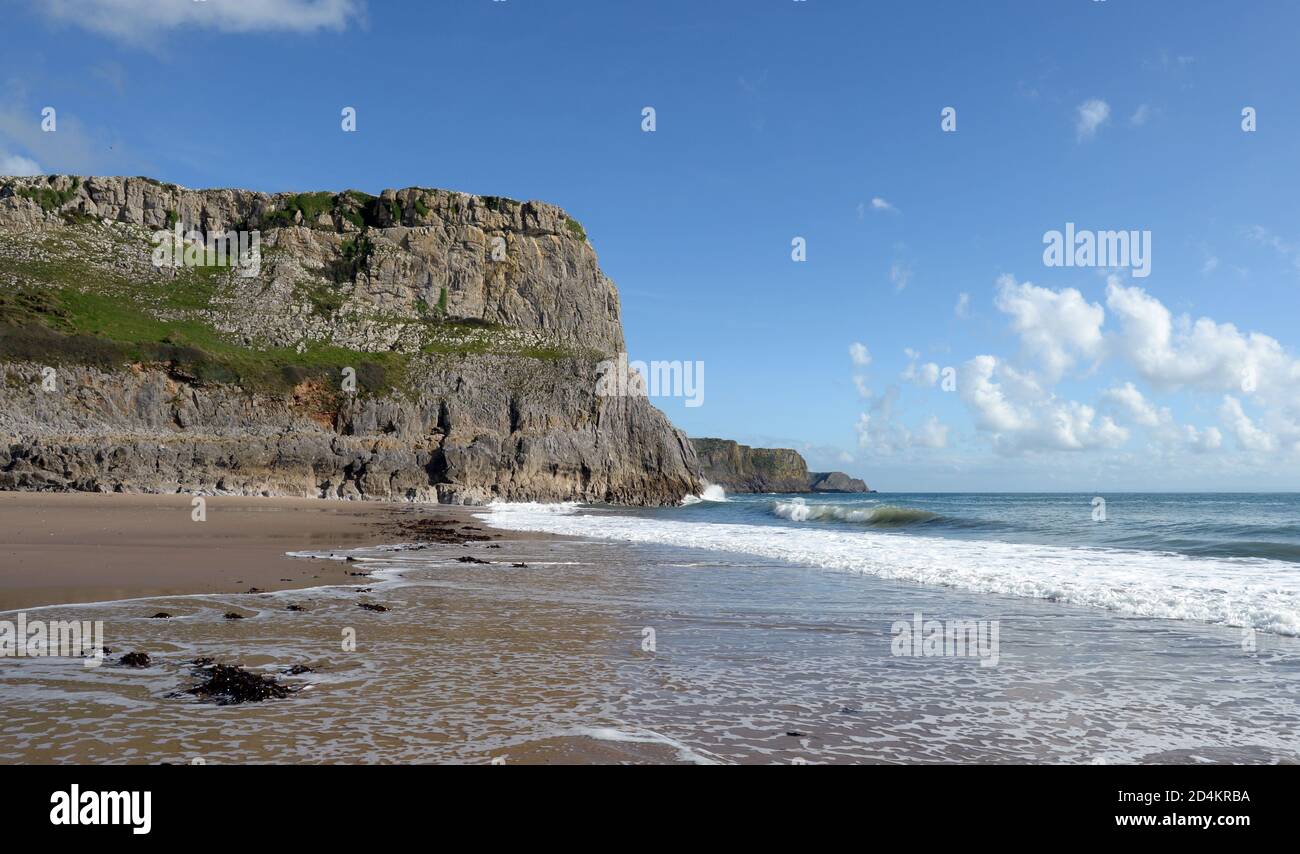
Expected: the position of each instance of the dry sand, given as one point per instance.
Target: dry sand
(60, 548)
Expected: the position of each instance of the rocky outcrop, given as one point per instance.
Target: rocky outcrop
(417, 345)
(740, 468)
(835, 481)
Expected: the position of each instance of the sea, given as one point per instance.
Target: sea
(755, 629)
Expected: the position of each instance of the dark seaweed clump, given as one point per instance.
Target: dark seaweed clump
(228, 684)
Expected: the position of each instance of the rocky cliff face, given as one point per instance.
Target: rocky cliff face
(419, 345)
(835, 481)
(740, 468)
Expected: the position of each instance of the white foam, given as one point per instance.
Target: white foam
(799, 510)
(645, 736)
(711, 492)
(1247, 592)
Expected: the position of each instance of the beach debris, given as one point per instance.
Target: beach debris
(297, 669)
(520, 565)
(135, 659)
(493, 546)
(438, 531)
(794, 733)
(470, 559)
(362, 574)
(253, 590)
(231, 615)
(363, 589)
(228, 684)
(203, 661)
(350, 559)
(294, 608)
(371, 606)
(161, 615)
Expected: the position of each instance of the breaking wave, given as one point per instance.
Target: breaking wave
(799, 510)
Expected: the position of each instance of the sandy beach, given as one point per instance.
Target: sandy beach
(481, 640)
(63, 548)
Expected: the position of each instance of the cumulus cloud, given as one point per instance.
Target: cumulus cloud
(1128, 404)
(879, 204)
(1249, 437)
(923, 375)
(1128, 400)
(859, 353)
(1202, 441)
(931, 434)
(1014, 403)
(881, 431)
(135, 20)
(1020, 415)
(1055, 327)
(1203, 354)
(1091, 115)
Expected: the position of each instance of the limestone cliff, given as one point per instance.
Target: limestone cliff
(740, 468)
(419, 345)
(835, 481)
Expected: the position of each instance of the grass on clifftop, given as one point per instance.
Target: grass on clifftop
(86, 295)
(72, 327)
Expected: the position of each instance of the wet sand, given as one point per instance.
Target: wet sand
(58, 548)
(482, 645)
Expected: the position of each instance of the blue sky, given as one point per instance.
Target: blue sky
(778, 119)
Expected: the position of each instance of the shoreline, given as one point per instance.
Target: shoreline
(62, 548)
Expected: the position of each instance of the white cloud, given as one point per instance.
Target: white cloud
(15, 166)
(1287, 249)
(1128, 400)
(1128, 403)
(993, 410)
(1201, 441)
(899, 275)
(859, 353)
(1021, 416)
(1171, 352)
(863, 429)
(879, 431)
(72, 149)
(962, 308)
(1249, 437)
(923, 375)
(879, 204)
(932, 434)
(1055, 327)
(140, 20)
(1092, 114)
